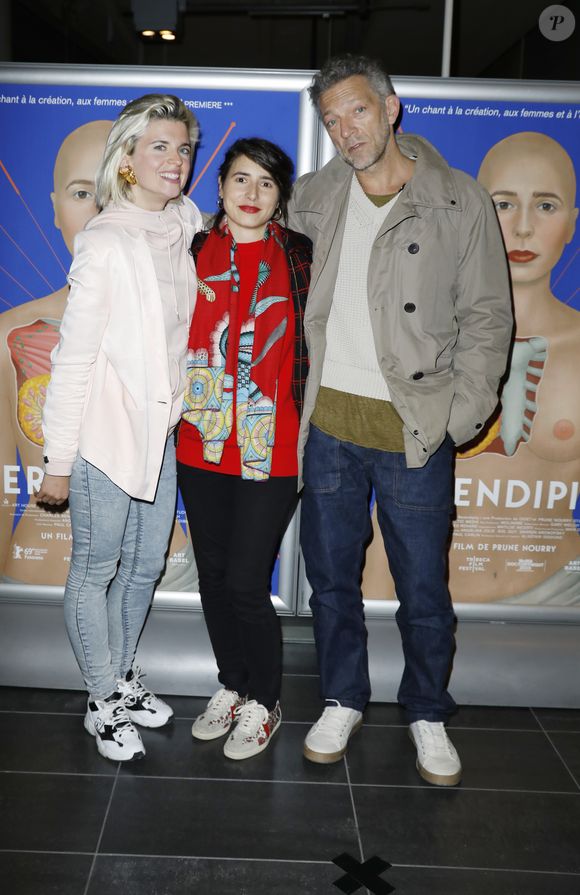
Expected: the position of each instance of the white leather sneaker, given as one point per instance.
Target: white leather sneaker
(327, 740)
(437, 758)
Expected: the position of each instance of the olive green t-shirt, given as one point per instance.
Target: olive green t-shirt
(368, 422)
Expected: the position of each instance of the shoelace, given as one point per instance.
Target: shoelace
(331, 721)
(135, 682)
(250, 715)
(435, 733)
(115, 715)
(220, 702)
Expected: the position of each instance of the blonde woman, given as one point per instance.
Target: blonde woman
(115, 395)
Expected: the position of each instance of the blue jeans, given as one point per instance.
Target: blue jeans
(414, 512)
(118, 554)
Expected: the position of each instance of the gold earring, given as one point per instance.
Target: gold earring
(128, 175)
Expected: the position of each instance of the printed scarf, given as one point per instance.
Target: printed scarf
(213, 358)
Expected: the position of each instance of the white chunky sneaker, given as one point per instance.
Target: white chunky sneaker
(218, 717)
(107, 720)
(437, 758)
(143, 707)
(327, 740)
(254, 729)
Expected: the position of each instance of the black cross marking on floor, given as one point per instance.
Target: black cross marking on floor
(362, 874)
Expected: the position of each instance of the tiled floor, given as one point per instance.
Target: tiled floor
(187, 820)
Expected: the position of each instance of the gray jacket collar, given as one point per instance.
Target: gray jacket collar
(432, 184)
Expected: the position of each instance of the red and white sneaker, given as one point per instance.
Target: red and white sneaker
(254, 729)
(218, 717)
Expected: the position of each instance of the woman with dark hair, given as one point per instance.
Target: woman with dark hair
(237, 457)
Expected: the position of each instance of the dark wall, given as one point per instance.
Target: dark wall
(492, 38)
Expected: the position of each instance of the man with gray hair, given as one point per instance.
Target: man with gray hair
(409, 325)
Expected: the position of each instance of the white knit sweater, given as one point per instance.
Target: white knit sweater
(350, 362)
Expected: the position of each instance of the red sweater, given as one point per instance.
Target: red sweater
(284, 455)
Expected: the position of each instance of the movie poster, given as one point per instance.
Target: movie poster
(53, 136)
(516, 537)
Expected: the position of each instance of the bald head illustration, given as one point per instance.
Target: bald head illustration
(75, 168)
(532, 182)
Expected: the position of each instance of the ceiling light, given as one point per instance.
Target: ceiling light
(156, 16)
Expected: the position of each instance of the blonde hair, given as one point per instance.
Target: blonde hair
(127, 129)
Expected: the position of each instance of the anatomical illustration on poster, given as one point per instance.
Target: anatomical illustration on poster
(516, 532)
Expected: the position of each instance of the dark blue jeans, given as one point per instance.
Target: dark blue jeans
(414, 513)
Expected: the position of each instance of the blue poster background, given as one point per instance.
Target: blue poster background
(34, 261)
(463, 138)
(33, 129)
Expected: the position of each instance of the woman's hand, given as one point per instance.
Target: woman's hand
(54, 490)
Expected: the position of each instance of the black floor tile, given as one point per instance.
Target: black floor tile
(568, 745)
(50, 743)
(382, 755)
(21, 699)
(494, 718)
(471, 716)
(197, 818)
(492, 759)
(172, 752)
(461, 828)
(387, 713)
(186, 706)
(300, 699)
(299, 658)
(191, 876)
(420, 881)
(43, 874)
(220, 832)
(52, 812)
(497, 759)
(559, 719)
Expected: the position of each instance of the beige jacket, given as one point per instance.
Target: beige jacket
(438, 292)
(110, 397)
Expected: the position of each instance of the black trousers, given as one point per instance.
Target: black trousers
(236, 527)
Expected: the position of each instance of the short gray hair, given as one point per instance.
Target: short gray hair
(127, 129)
(347, 66)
